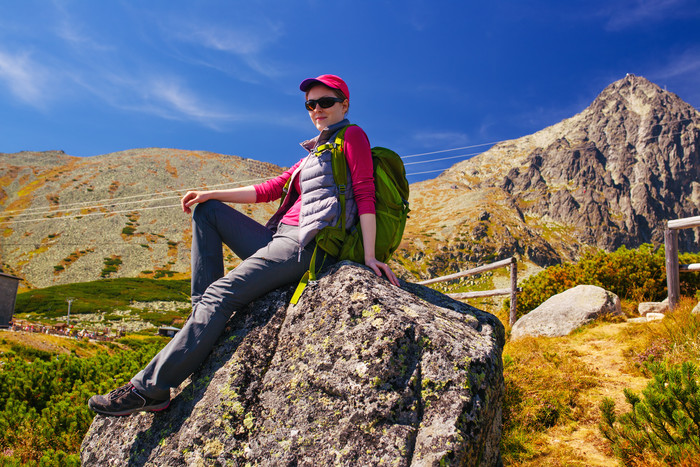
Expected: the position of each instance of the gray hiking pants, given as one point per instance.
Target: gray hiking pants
(270, 260)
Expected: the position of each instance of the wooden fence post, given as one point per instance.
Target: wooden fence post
(513, 289)
(672, 268)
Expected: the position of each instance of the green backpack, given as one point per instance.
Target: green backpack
(391, 193)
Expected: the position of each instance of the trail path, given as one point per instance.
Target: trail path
(601, 349)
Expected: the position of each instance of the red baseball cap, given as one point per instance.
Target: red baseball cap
(332, 81)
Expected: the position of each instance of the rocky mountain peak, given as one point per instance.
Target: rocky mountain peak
(609, 176)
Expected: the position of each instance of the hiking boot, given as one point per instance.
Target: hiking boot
(124, 401)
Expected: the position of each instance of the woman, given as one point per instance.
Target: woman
(273, 255)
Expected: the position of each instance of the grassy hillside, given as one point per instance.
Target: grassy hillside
(104, 295)
(125, 305)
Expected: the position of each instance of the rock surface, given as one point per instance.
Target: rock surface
(569, 310)
(644, 308)
(358, 373)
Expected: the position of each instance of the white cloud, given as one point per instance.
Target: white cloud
(171, 96)
(164, 97)
(24, 77)
(248, 42)
(632, 13)
(681, 75)
(233, 40)
(687, 63)
(440, 139)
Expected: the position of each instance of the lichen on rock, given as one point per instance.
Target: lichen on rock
(359, 372)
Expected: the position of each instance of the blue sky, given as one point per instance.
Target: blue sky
(90, 77)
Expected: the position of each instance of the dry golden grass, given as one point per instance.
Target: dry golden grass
(50, 343)
(554, 385)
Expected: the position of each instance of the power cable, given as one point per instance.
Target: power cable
(454, 149)
(443, 158)
(90, 214)
(110, 202)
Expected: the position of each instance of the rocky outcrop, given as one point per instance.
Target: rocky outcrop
(358, 373)
(567, 311)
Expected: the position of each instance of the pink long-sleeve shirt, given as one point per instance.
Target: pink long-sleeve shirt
(359, 158)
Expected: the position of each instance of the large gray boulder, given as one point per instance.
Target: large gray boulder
(358, 373)
(569, 310)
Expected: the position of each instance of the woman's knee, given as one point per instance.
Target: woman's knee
(206, 209)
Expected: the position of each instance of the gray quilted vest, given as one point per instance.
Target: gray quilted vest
(320, 206)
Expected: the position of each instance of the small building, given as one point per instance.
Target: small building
(167, 331)
(8, 297)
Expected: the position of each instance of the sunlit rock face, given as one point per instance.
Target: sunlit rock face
(359, 372)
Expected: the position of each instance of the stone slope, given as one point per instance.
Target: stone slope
(610, 176)
(358, 373)
(67, 219)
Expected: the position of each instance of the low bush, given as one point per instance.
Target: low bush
(43, 403)
(637, 275)
(105, 295)
(663, 424)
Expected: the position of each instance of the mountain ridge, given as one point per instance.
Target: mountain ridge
(608, 176)
(69, 219)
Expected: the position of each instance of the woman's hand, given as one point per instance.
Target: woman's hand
(379, 268)
(244, 194)
(193, 197)
(368, 222)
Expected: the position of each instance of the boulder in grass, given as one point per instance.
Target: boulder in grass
(567, 311)
(644, 308)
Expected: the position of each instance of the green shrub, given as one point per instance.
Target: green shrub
(128, 230)
(637, 275)
(30, 353)
(111, 265)
(43, 403)
(662, 424)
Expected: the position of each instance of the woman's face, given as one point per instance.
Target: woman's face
(323, 118)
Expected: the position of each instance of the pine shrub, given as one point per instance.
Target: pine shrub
(43, 402)
(663, 423)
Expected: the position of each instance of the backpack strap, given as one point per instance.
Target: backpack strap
(340, 176)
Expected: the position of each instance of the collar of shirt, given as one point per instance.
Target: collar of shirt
(325, 135)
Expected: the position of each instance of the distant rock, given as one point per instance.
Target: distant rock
(567, 311)
(358, 373)
(644, 308)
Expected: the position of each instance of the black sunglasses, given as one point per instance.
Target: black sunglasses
(324, 102)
